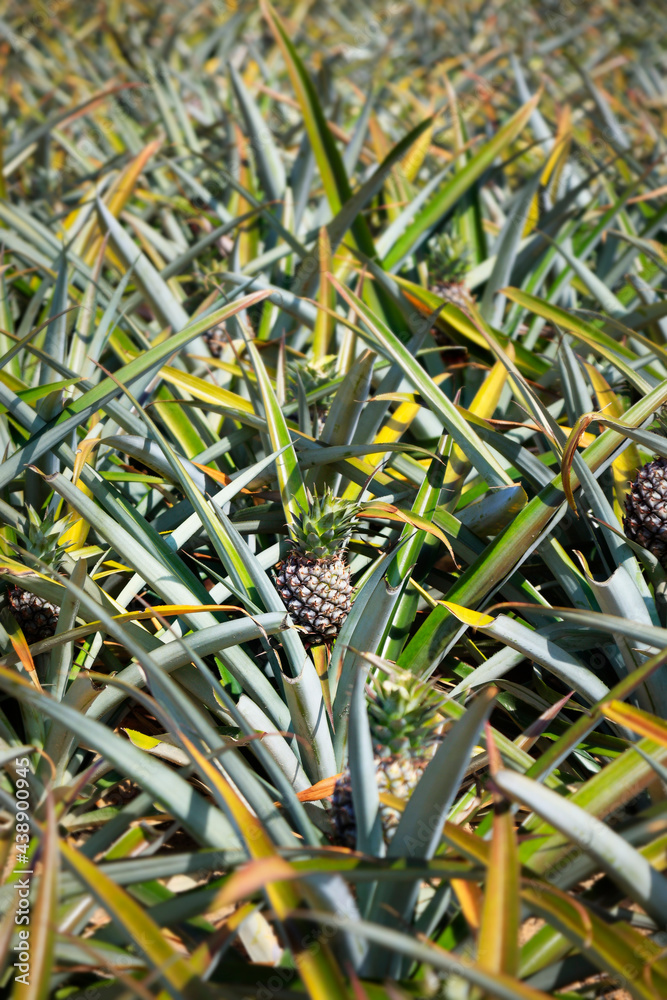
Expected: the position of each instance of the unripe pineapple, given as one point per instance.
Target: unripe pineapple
(645, 518)
(455, 292)
(38, 617)
(314, 580)
(403, 713)
(215, 338)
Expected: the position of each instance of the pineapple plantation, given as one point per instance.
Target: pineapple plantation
(333, 501)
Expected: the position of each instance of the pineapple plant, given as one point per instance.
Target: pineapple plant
(403, 713)
(314, 579)
(40, 538)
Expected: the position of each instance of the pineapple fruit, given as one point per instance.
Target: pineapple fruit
(455, 292)
(314, 580)
(215, 338)
(403, 713)
(645, 520)
(38, 617)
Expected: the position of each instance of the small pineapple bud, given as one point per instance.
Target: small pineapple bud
(448, 259)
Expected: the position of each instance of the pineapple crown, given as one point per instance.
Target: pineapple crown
(41, 536)
(403, 713)
(313, 375)
(324, 529)
(448, 258)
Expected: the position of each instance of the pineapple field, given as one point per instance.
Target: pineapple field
(333, 500)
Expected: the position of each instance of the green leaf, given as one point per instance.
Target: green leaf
(498, 944)
(512, 546)
(292, 489)
(632, 959)
(586, 332)
(140, 929)
(615, 856)
(498, 986)
(269, 163)
(77, 411)
(463, 433)
(462, 180)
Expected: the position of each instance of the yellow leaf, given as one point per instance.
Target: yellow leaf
(638, 720)
(532, 216)
(77, 532)
(550, 166)
(487, 396)
(121, 191)
(387, 799)
(624, 468)
(413, 159)
(20, 645)
(476, 619)
(324, 321)
(254, 875)
(141, 740)
(205, 391)
(471, 900)
(498, 942)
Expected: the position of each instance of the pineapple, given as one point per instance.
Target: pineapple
(645, 518)
(37, 616)
(314, 580)
(215, 338)
(455, 292)
(403, 713)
